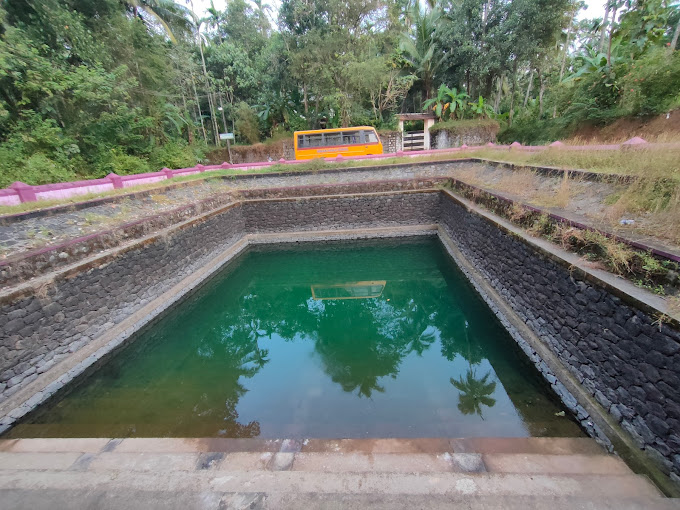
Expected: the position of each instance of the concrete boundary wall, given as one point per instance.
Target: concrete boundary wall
(56, 326)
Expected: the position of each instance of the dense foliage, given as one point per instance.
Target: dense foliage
(89, 87)
(623, 66)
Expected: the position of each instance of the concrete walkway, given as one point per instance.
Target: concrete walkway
(526, 473)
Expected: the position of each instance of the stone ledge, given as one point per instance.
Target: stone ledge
(622, 288)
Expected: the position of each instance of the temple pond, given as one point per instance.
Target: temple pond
(380, 338)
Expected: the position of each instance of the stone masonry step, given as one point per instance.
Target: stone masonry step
(326, 462)
(77, 499)
(297, 482)
(483, 473)
(529, 445)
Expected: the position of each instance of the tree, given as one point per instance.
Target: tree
(480, 108)
(170, 15)
(419, 45)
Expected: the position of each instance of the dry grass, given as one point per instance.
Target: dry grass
(648, 163)
(522, 183)
(656, 195)
(161, 199)
(558, 198)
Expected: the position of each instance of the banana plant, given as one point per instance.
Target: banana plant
(481, 108)
(448, 103)
(594, 62)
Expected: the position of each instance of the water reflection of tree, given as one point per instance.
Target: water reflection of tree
(354, 352)
(228, 356)
(361, 341)
(474, 392)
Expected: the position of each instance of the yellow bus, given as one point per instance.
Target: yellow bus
(328, 143)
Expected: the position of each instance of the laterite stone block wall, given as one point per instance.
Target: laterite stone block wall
(337, 212)
(621, 355)
(44, 326)
(41, 328)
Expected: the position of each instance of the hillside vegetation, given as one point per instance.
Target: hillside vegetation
(89, 87)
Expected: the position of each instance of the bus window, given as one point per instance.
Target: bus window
(307, 141)
(350, 137)
(333, 139)
(371, 137)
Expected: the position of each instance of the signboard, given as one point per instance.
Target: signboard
(226, 136)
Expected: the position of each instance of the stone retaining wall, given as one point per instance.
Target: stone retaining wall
(443, 139)
(391, 141)
(621, 355)
(41, 324)
(378, 210)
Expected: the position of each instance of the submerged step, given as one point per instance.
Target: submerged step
(388, 463)
(538, 445)
(527, 445)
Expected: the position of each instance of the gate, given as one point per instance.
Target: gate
(414, 141)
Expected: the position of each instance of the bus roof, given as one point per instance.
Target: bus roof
(332, 130)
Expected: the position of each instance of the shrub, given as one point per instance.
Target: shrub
(175, 154)
(652, 84)
(37, 169)
(121, 163)
(247, 123)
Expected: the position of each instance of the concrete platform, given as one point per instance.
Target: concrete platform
(336, 474)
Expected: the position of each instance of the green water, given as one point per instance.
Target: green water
(361, 339)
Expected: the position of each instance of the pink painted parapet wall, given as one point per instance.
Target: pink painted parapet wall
(19, 192)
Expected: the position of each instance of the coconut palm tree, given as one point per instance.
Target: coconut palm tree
(172, 17)
(419, 46)
(214, 19)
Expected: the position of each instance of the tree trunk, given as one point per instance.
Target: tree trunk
(531, 83)
(316, 108)
(190, 132)
(603, 30)
(304, 98)
(540, 94)
(198, 107)
(609, 46)
(512, 94)
(224, 121)
(497, 103)
(566, 46)
(211, 98)
(674, 41)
